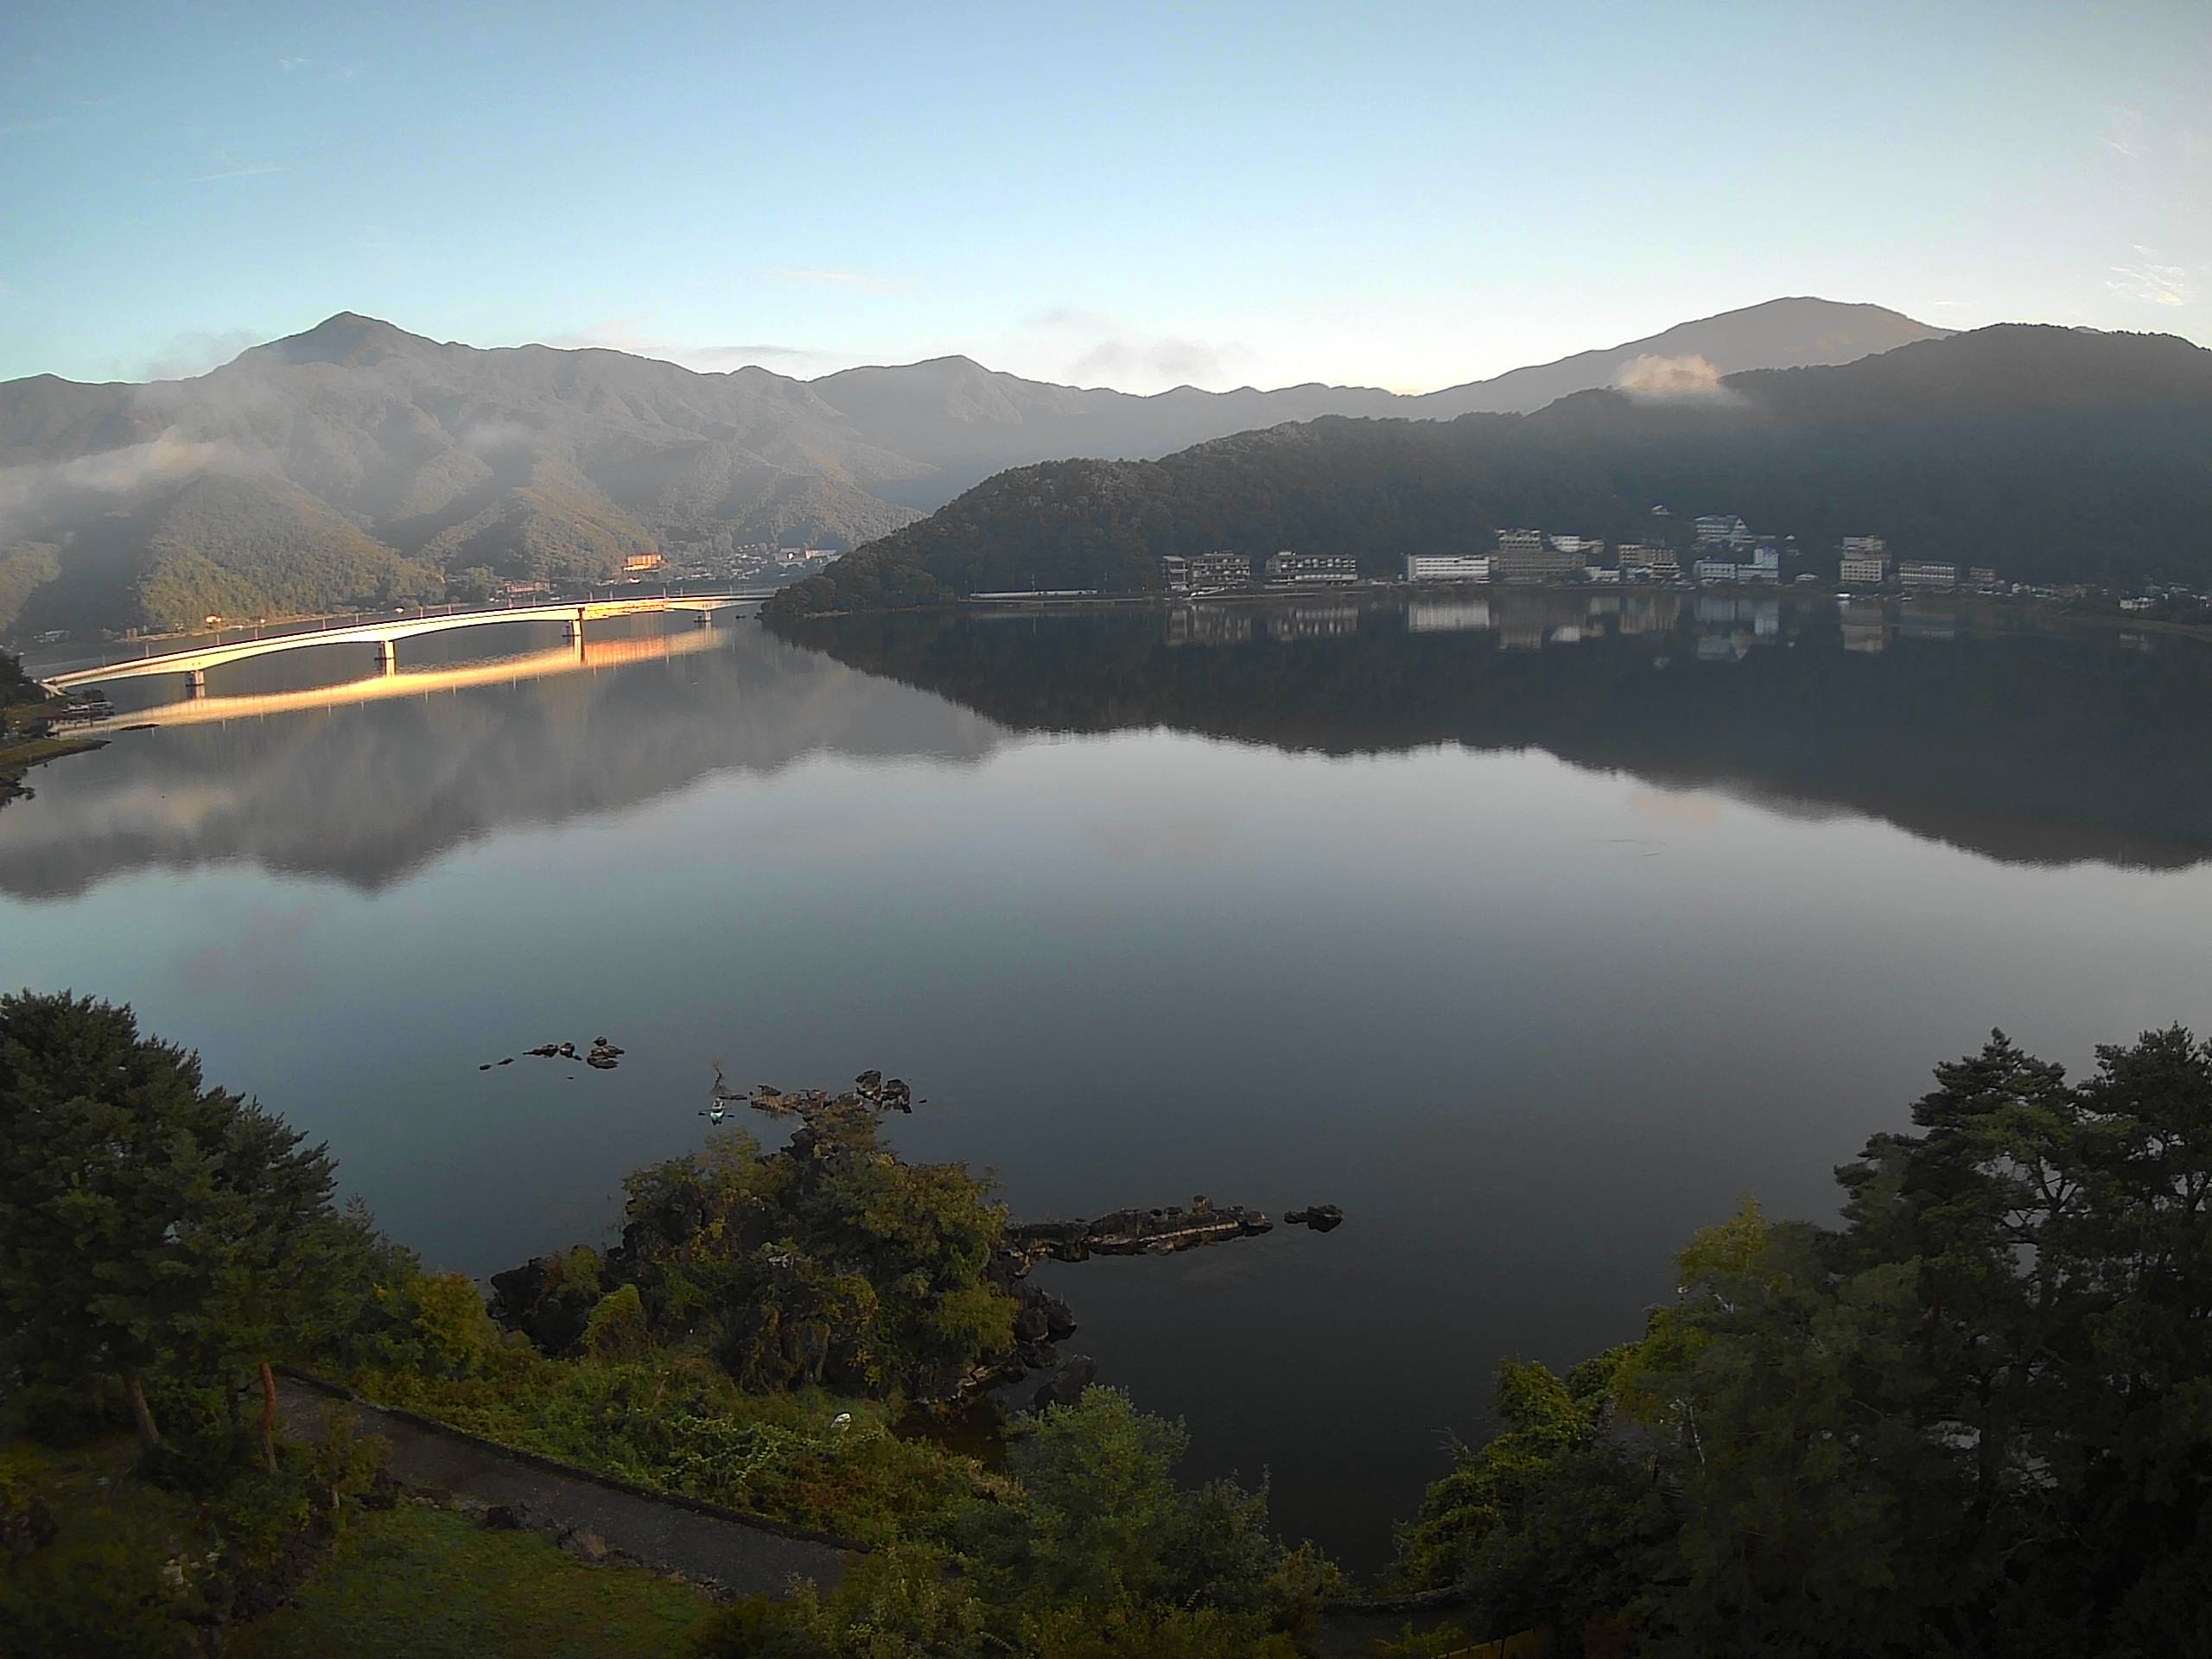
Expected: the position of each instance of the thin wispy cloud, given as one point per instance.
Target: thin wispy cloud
(747, 353)
(1070, 316)
(251, 170)
(636, 336)
(2123, 133)
(855, 279)
(1118, 354)
(2152, 280)
(195, 351)
(287, 65)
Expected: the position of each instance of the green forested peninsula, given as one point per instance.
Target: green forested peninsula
(1970, 1420)
(2051, 454)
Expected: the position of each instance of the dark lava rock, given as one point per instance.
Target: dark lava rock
(1059, 1384)
(600, 1061)
(546, 1050)
(1321, 1217)
(1064, 1386)
(1041, 1317)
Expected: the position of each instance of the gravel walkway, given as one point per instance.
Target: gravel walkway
(720, 1549)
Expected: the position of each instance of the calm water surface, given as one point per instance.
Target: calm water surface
(1534, 931)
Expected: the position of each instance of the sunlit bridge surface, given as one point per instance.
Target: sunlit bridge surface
(575, 656)
(383, 636)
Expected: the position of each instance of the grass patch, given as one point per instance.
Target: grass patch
(674, 1422)
(425, 1584)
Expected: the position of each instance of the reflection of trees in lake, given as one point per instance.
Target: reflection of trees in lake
(2033, 746)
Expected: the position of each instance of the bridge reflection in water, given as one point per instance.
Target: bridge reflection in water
(575, 656)
(383, 635)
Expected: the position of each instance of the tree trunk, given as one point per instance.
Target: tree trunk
(268, 1416)
(141, 1412)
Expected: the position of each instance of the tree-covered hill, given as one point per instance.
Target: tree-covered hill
(535, 461)
(357, 461)
(2054, 455)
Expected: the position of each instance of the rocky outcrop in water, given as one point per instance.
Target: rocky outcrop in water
(1136, 1232)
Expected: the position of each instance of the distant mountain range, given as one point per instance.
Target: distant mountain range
(2051, 454)
(358, 462)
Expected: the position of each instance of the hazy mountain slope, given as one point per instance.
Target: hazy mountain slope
(221, 539)
(968, 421)
(382, 451)
(531, 462)
(2052, 454)
(1779, 334)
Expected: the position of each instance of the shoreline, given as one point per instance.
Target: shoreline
(17, 759)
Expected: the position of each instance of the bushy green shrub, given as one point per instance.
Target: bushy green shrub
(617, 1328)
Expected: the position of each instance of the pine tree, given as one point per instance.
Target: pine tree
(148, 1224)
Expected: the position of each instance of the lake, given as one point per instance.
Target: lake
(1536, 930)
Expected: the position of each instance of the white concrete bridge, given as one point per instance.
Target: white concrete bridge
(383, 636)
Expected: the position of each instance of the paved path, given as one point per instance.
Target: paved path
(741, 1558)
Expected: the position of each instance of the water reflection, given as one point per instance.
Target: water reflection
(365, 780)
(1348, 935)
(2020, 743)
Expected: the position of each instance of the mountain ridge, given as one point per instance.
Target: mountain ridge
(2053, 454)
(433, 460)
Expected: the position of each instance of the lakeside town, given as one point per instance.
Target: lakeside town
(1724, 551)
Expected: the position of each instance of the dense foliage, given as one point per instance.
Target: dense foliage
(1976, 1419)
(150, 1227)
(1090, 1549)
(829, 1262)
(2053, 455)
(165, 1235)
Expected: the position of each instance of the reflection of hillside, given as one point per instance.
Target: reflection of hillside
(2043, 748)
(366, 791)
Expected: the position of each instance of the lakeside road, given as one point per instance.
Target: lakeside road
(703, 1543)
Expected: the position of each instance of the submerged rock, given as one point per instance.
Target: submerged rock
(1321, 1217)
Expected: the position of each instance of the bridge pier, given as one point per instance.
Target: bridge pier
(706, 618)
(196, 683)
(572, 629)
(388, 656)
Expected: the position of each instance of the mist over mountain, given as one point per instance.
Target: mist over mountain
(966, 422)
(356, 462)
(2052, 454)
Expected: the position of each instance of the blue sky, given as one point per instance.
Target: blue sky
(1403, 195)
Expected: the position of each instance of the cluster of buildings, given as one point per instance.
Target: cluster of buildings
(1865, 564)
(1204, 572)
(1726, 552)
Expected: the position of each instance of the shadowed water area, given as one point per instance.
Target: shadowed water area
(1534, 929)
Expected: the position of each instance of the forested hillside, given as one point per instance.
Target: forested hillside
(2054, 455)
(391, 462)
(357, 463)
